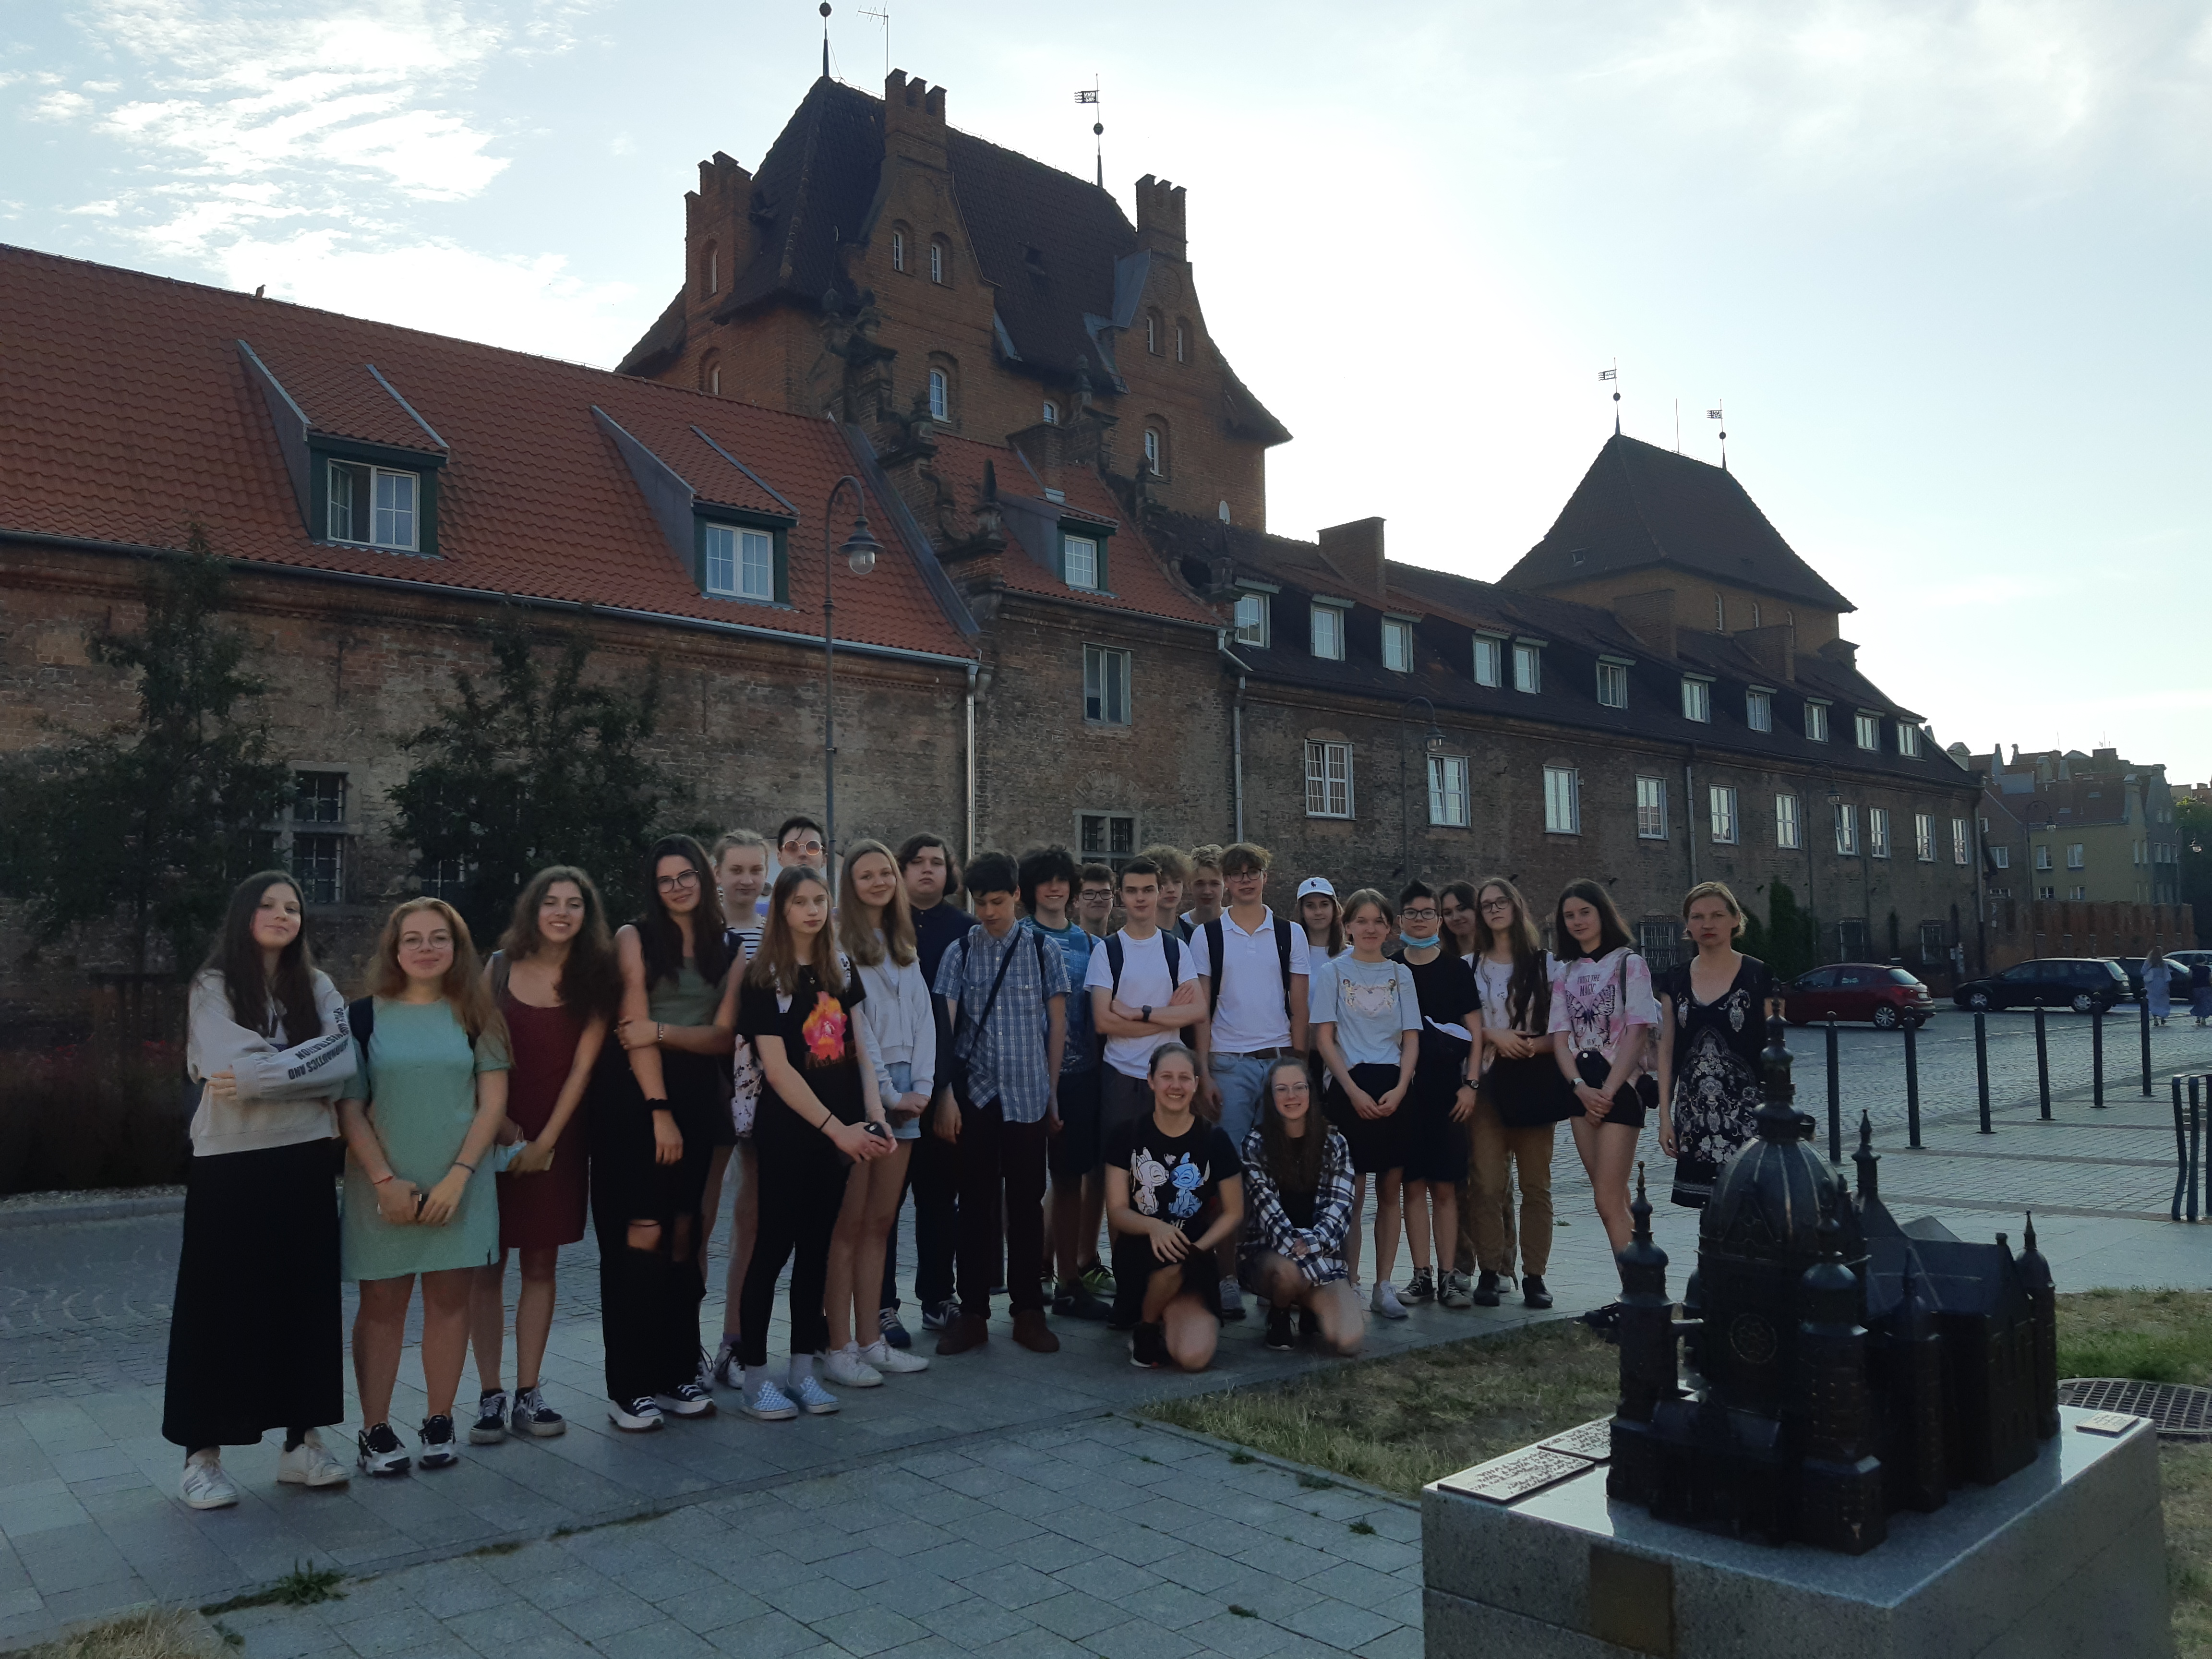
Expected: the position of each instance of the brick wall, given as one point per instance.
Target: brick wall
(2019, 930)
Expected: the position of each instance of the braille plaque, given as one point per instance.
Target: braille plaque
(2107, 1423)
(1593, 1440)
(1505, 1480)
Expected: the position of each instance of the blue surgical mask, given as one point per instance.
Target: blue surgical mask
(1417, 942)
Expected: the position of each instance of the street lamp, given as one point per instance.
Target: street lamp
(860, 550)
(1434, 744)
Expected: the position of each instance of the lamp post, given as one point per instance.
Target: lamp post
(860, 550)
(1434, 743)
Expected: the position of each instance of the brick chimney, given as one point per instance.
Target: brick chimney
(1650, 616)
(1160, 218)
(1056, 451)
(1353, 550)
(1841, 651)
(1774, 648)
(717, 232)
(913, 120)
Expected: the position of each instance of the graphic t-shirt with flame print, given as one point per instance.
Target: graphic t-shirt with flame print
(816, 1025)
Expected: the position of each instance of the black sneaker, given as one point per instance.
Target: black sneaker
(490, 1426)
(1533, 1294)
(1485, 1293)
(381, 1452)
(1079, 1304)
(1309, 1324)
(1423, 1288)
(1148, 1347)
(1605, 1321)
(1280, 1339)
(939, 1315)
(437, 1451)
(533, 1416)
(894, 1334)
(685, 1400)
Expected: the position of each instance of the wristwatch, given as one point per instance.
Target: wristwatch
(1148, 1014)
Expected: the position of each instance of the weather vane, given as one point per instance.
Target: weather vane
(1090, 95)
(1716, 414)
(1613, 374)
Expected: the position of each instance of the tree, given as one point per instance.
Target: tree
(2193, 817)
(1792, 934)
(156, 818)
(528, 769)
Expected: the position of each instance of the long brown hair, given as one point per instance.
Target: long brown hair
(462, 986)
(1293, 1161)
(1528, 992)
(1611, 931)
(858, 938)
(247, 980)
(777, 962)
(660, 941)
(591, 978)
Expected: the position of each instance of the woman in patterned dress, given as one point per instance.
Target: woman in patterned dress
(1712, 1023)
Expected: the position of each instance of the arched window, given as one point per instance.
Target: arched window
(1152, 332)
(940, 395)
(1051, 413)
(710, 373)
(898, 247)
(710, 270)
(1156, 451)
(1182, 339)
(940, 262)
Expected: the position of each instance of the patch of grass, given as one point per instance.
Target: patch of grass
(2160, 1336)
(1241, 1613)
(1242, 1457)
(1401, 1422)
(149, 1634)
(1313, 1482)
(1362, 1529)
(507, 1548)
(303, 1587)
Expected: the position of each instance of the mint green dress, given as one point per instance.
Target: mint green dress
(418, 1079)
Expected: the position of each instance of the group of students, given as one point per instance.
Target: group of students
(1210, 1087)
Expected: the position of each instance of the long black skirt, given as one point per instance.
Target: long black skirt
(256, 1332)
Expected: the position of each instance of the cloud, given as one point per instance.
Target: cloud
(60, 106)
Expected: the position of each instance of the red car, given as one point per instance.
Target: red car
(1889, 997)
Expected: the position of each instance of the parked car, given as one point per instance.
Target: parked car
(2082, 983)
(1890, 997)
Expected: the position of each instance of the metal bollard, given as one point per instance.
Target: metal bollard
(2187, 1181)
(1912, 1083)
(2205, 1163)
(2042, 1062)
(2097, 1058)
(1835, 1100)
(2195, 1144)
(1982, 1066)
(2142, 1008)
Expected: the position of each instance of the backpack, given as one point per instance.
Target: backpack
(1169, 947)
(361, 1021)
(1214, 960)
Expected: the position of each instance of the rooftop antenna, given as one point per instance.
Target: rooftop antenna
(884, 16)
(1715, 415)
(1677, 426)
(1613, 374)
(825, 39)
(1090, 95)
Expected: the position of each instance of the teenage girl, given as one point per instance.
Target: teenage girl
(558, 985)
(1297, 1182)
(1435, 1143)
(1322, 917)
(740, 878)
(1522, 1096)
(653, 1136)
(254, 1333)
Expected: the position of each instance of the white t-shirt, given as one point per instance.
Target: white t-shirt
(1144, 984)
(1251, 1014)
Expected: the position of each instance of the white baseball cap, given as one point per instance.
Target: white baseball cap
(1313, 884)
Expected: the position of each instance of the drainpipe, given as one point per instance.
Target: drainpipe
(1236, 749)
(970, 856)
(1690, 817)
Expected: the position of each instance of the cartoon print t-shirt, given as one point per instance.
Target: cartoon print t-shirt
(818, 1028)
(1371, 1004)
(1173, 1178)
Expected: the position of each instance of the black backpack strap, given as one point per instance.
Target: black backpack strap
(1173, 951)
(1213, 961)
(1283, 956)
(1114, 960)
(360, 1020)
(500, 965)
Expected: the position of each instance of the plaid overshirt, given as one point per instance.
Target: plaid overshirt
(1006, 1059)
(1266, 1227)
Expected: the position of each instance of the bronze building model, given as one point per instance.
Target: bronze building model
(1850, 1366)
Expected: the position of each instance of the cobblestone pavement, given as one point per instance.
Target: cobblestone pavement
(996, 1498)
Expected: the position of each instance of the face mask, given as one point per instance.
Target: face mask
(1416, 942)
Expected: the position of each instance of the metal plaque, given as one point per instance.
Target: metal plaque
(2107, 1423)
(1593, 1442)
(1517, 1474)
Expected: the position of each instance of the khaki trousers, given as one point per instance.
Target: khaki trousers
(1486, 1199)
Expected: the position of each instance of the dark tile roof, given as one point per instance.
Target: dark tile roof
(126, 410)
(1640, 505)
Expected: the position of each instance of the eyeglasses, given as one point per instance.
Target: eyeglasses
(1296, 1086)
(1497, 904)
(677, 884)
(1417, 916)
(801, 849)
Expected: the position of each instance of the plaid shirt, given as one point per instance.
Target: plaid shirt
(1267, 1227)
(1006, 1059)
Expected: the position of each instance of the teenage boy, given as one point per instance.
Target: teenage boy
(932, 877)
(1073, 1159)
(1004, 986)
(1174, 866)
(799, 845)
(1206, 889)
(1094, 901)
(1254, 965)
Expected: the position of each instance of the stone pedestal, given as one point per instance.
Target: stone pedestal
(2065, 1558)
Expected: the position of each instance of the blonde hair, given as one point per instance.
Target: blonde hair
(462, 986)
(1208, 857)
(1174, 863)
(1717, 889)
(859, 939)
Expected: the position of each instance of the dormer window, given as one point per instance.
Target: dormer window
(1908, 742)
(1252, 619)
(1866, 729)
(1759, 710)
(738, 563)
(1397, 645)
(1612, 684)
(1489, 660)
(1328, 631)
(1528, 666)
(1816, 722)
(1051, 415)
(1697, 699)
(1079, 562)
(373, 505)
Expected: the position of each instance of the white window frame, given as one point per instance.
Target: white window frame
(1398, 644)
(1108, 689)
(1329, 779)
(1878, 846)
(1153, 449)
(1326, 639)
(1759, 709)
(1923, 837)
(1563, 801)
(1489, 665)
(1698, 699)
(1528, 667)
(1651, 808)
(2043, 857)
(940, 395)
(2001, 857)
(1789, 825)
(405, 534)
(1908, 739)
(1079, 562)
(1721, 811)
(1183, 343)
(1612, 684)
(2077, 855)
(739, 562)
(1051, 413)
(937, 261)
(1847, 828)
(898, 250)
(1448, 791)
(1254, 630)
(1816, 720)
(1866, 731)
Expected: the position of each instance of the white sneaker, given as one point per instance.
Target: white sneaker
(1232, 1299)
(894, 1362)
(205, 1486)
(1385, 1302)
(770, 1404)
(846, 1368)
(812, 1398)
(308, 1464)
(686, 1400)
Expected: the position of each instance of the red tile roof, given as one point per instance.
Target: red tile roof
(126, 412)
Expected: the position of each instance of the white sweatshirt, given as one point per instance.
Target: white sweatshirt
(900, 1022)
(284, 1095)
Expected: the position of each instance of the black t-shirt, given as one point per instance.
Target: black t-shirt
(1445, 988)
(1298, 1206)
(819, 1040)
(1173, 1178)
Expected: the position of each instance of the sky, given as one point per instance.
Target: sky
(1943, 264)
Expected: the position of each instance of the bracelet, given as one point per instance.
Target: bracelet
(659, 1034)
(377, 1180)
(470, 1168)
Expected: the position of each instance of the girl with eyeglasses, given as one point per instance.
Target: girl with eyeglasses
(1297, 1188)
(653, 1137)
(1442, 1097)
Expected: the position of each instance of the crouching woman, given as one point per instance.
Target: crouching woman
(1297, 1182)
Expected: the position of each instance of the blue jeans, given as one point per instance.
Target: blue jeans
(1239, 1078)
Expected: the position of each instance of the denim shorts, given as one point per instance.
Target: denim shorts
(902, 1083)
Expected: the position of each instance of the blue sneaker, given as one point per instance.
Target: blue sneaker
(813, 1398)
(770, 1404)
(893, 1332)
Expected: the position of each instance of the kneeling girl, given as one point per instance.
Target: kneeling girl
(1298, 1173)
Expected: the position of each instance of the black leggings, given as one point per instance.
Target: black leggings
(649, 1299)
(802, 1187)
